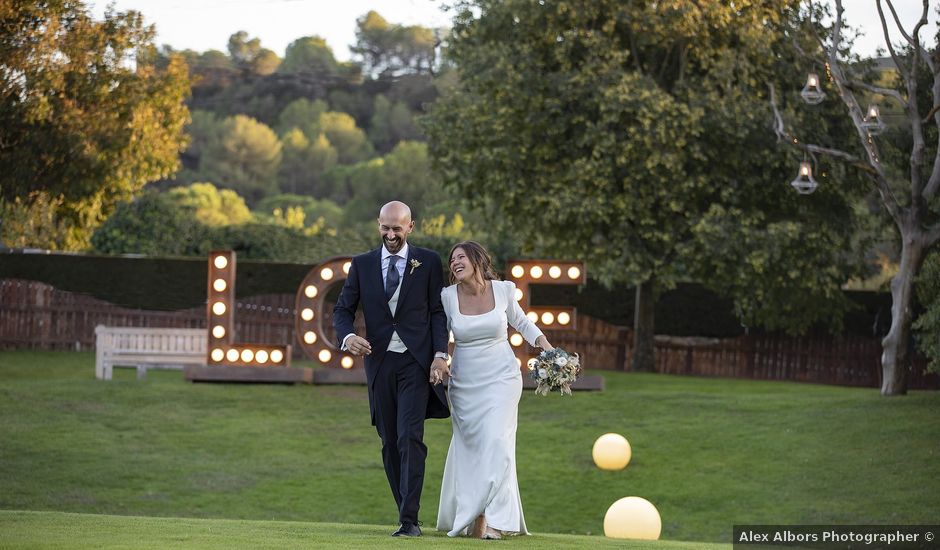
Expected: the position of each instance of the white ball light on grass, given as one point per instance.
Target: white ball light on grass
(611, 452)
(633, 518)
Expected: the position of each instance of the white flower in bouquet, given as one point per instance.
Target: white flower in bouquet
(561, 361)
(543, 373)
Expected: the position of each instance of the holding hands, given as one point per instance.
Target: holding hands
(439, 371)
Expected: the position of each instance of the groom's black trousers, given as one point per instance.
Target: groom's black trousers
(400, 395)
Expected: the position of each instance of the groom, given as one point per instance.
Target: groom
(399, 289)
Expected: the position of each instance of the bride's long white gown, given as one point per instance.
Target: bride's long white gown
(484, 392)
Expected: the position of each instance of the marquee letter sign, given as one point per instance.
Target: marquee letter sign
(543, 272)
(309, 321)
(220, 312)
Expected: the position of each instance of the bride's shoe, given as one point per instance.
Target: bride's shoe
(479, 527)
(492, 534)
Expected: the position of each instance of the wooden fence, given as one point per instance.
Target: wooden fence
(37, 316)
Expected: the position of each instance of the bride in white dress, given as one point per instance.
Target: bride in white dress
(480, 491)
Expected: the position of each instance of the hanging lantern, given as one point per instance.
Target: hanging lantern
(812, 93)
(804, 182)
(872, 122)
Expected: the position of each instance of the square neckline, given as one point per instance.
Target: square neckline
(495, 305)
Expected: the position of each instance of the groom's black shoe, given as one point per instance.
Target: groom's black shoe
(407, 530)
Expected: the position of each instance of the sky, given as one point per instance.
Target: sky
(206, 24)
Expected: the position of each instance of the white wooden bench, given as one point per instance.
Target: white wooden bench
(145, 347)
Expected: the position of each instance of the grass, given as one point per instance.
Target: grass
(709, 453)
(75, 531)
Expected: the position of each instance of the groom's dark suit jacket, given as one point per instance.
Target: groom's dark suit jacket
(419, 318)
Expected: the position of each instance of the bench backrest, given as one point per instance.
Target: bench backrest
(150, 340)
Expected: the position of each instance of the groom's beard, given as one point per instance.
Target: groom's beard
(393, 245)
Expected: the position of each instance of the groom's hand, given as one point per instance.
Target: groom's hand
(439, 370)
(357, 345)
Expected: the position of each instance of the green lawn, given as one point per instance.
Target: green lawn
(74, 531)
(708, 453)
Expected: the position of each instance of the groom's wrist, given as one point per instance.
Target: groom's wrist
(441, 355)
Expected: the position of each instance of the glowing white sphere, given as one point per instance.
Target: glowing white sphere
(346, 267)
(218, 355)
(218, 308)
(326, 274)
(633, 518)
(574, 273)
(310, 337)
(232, 355)
(548, 318)
(220, 262)
(306, 314)
(325, 355)
(564, 318)
(346, 362)
(518, 271)
(247, 355)
(219, 285)
(533, 316)
(516, 339)
(276, 356)
(310, 291)
(218, 331)
(518, 294)
(611, 452)
(536, 272)
(554, 272)
(261, 356)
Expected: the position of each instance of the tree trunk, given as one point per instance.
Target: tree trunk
(897, 354)
(643, 328)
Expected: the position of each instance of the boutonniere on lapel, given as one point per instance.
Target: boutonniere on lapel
(415, 264)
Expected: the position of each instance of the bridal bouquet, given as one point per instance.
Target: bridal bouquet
(555, 370)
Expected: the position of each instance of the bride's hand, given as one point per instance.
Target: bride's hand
(543, 343)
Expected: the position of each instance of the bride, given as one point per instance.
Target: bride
(480, 491)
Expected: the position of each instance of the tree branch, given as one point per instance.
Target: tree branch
(884, 28)
(914, 38)
(893, 94)
(933, 235)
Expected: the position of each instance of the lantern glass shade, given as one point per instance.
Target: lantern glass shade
(812, 93)
(804, 182)
(872, 122)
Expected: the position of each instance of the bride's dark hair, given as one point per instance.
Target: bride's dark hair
(479, 258)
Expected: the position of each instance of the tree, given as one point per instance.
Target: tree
(248, 55)
(303, 114)
(913, 207)
(350, 141)
(305, 163)
(634, 138)
(87, 118)
(390, 50)
(391, 124)
(212, 207)
(245, 157)
(310, 54)
(152, 224)
(403, 174)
